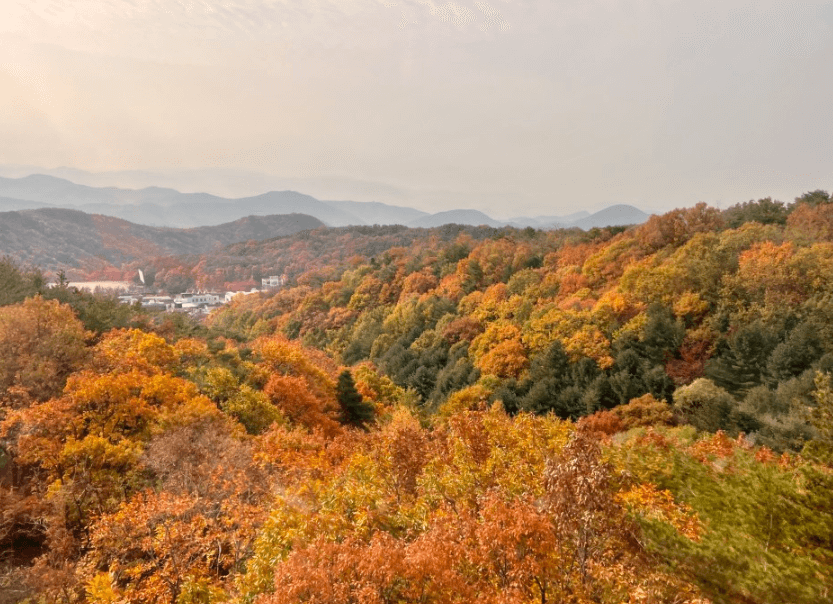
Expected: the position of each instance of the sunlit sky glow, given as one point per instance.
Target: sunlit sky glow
(508, 106)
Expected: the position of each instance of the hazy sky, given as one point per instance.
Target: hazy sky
(510, 106)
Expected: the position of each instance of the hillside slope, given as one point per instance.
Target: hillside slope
(55, 238)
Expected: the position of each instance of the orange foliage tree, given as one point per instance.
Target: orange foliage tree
(41, 343)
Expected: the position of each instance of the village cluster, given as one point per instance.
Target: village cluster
(192, 302)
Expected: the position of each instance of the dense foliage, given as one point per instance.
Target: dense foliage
(728, 324)
(454, 415)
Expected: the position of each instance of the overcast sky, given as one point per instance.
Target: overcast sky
(509, 106)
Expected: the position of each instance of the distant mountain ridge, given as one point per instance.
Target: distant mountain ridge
(620, 214)
(165, 207)
(374, 212)
(467, 217)
(59, 191)
(9, 204)
(55, 238)
(154, 206)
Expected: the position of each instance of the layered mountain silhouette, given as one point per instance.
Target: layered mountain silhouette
(374, 212)
(55, 238)
(164, 207)
(8, 204)
(614, 215)
(469, 217)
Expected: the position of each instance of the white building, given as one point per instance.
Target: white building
(273, 281)
(195, 300)
(156, 300)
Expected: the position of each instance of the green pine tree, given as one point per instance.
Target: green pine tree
(354, 410)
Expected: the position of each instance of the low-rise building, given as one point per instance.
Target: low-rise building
(193, 300)
(273, 281)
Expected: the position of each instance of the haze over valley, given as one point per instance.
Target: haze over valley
(156, 206)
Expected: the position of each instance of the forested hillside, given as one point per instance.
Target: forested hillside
(459, 414)
(85, 245)
(574, 322)
(321, 249)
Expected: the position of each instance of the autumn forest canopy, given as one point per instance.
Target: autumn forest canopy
(458, 414)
